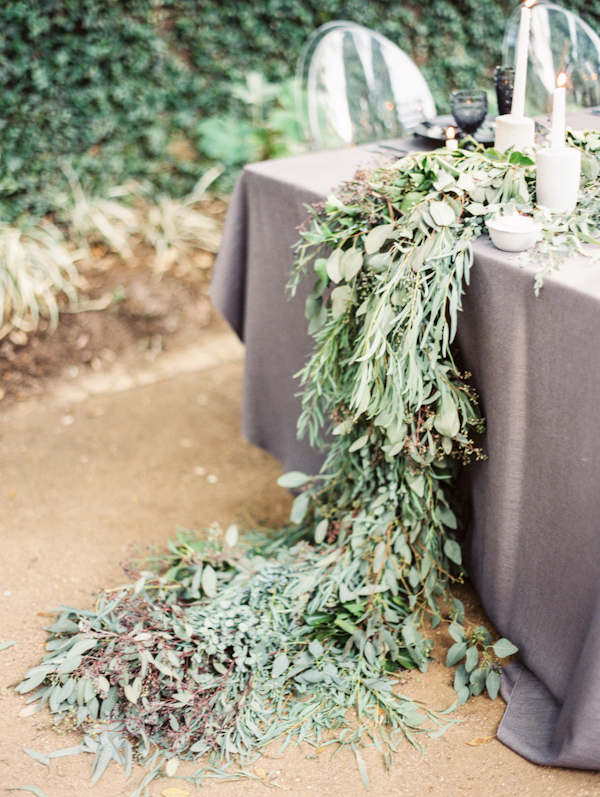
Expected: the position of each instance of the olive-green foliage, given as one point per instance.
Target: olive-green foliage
(119, 87)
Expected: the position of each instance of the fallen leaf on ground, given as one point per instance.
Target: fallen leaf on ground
(28, 711)
(481, 740)
(43, 759)
(260, 772)
(171, 767)
(175, 791)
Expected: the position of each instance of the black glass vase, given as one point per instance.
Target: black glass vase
(504, 81)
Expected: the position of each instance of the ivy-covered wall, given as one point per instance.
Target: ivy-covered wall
(118, 87)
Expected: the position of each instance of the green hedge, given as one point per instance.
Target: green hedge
(91, 81)
(117, 87)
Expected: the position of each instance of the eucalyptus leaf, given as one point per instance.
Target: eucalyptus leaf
(442, 213)
(340, 300)
(280, 665)
(350, 263)
(103, 760)
(231, 536)
(196, 582)
(376, 237)
(321, 531)
(293, 480)
(82, 646)
(461, 677)
(161, 667)
(478, 680)
(209, 581)
(346, 595)
(379, 262)
(31, 683)
(362, 769)
(68, 751)
(448, 518)
(411, 199)
(359, 443)
(447, 421)
(300, 507)
(518, 159)
(453, 551)
(131, 692)
(503, 648)
(457, 633)
(463, 695)
(334, 271)
(456, 653)
(64, 626)
(472, 658)
(379, 556)
(40, 757)
(492, 684)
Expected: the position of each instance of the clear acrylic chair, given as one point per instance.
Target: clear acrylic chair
(356, 86)
(560, 41)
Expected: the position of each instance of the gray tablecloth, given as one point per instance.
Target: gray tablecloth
(534, 549)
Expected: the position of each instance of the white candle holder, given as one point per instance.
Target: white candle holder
(514, 233)
(558, 178)
(514, 131)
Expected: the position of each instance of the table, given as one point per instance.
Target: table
(533, 549)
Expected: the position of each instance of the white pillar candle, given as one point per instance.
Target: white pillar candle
(514, 131)
(558, 174)
(451, 142)
(518, 101)
(559, 105)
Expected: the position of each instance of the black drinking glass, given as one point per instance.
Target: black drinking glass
(504, 82)
(469, 108)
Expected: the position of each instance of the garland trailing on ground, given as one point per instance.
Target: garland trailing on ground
(223, 646)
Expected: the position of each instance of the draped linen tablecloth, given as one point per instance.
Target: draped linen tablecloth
(533, 544)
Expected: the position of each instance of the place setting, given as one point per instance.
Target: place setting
(470, 113)
(469, 118)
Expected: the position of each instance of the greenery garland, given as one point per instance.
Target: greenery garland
(223, 646)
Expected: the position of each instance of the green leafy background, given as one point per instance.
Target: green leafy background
(119, 88)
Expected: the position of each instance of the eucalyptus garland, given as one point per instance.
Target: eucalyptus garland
(224, 645)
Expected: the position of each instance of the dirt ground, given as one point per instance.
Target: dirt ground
(143, 314)
(115, 431)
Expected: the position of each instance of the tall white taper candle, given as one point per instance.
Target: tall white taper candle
(518, 101)
(559, 106)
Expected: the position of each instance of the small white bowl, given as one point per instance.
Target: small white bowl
(514, 233)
